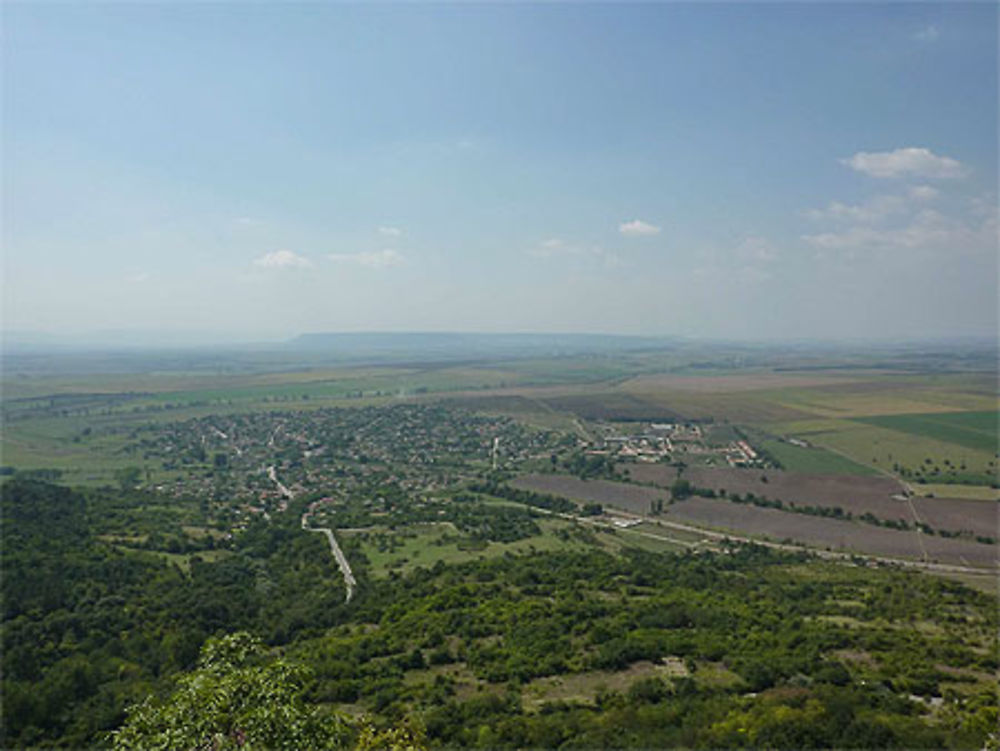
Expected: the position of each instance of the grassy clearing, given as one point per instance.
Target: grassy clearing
(974, 430)
(650, 538)
(675, 536)
(987, 583)
(426, 544)
(423, 545)
(181, 560)
(583, 688)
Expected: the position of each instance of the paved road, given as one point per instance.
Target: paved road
(281, 488)
(345, 568)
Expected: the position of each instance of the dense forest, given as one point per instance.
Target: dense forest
(560, 649)
(90, 628)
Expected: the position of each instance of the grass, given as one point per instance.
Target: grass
(889, 396)
(181, 560)
(974, 430)
(970, 492)
(677, 537)
(583, 687)
(882, 448)
(652, 539)
(814, 460)
(423, 545)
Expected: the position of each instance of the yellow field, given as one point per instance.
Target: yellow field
(970, 492)
(882, 402)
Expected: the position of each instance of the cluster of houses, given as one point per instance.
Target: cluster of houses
(658, 442)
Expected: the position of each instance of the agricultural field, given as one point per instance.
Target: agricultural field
(813, 459)
(906, 455)
(971, 492)
(885, 394)
(974, 430)
(497, 504)
(800, 522)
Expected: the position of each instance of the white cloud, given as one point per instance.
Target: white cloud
(917, 162)
(757, 249)
(984, 205)
(390, 231)
(555, 247)
(282, 259)
(638, 228)
(923, 193)
(138, 278)
(874, 210)
(927, 34)
(372, 259)
(928, 229)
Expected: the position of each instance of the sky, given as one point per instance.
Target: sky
(256, 171)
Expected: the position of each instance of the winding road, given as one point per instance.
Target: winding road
(272, 473)
(345, 568)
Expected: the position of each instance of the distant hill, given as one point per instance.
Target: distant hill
(446, 345)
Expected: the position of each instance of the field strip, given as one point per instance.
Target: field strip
(826, 554)
(918, 531)
(944, 568)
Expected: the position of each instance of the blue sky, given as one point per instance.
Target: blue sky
(741, 171)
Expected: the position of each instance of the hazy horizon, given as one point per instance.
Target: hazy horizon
(721, 172)
(138, 340)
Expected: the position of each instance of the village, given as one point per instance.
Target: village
(252, 465)
(691, 443)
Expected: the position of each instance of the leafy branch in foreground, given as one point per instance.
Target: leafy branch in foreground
(237, 698)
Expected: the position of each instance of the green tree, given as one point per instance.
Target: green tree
(128, 477)
(237, 698)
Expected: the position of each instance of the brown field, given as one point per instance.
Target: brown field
(809, 489)
(612, 406)
(728, 384)
(957, 514)
(816, 531)
(634, 498)
(742, 407)
(855, 494)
